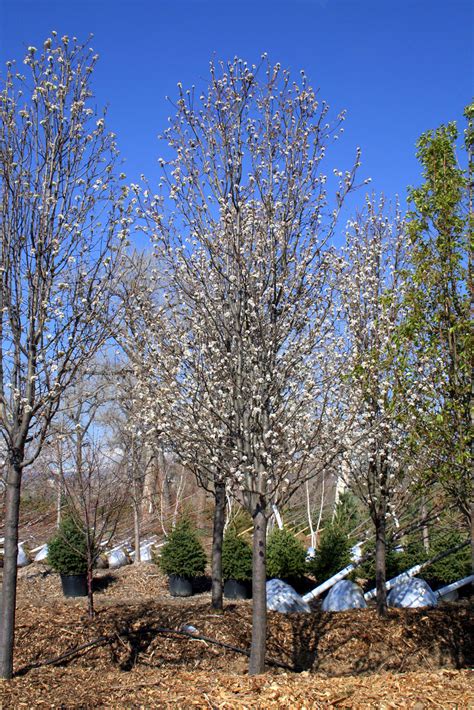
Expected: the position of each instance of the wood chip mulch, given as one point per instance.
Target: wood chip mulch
(152, 688)
(415, 658)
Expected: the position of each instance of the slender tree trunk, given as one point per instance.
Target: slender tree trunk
(380, 564)
(259, 593)
(10, 564)
(137, 530)
(424, 530)
(320, 514)
(472, 536)
(59, 496)
(165, 481)
(90, 592)
(217, 537)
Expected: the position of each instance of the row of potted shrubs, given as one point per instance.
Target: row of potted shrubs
(183, 558)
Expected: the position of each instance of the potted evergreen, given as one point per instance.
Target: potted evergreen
(67, 554)
(286, 556)
(333, 553)
(236, 566)
(182, 558)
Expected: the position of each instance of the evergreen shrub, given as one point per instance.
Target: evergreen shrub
(67, 550)
(333, 553)
(451, 568)
(236, 557)
(445, 571)
(286, 555)
(183, 554)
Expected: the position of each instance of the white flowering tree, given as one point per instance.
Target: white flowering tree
(384, 386)
(61, 211)
(247, 351)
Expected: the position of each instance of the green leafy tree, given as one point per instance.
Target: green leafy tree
(236, 557)
(440, 224)
(183, 555)
(286, 555)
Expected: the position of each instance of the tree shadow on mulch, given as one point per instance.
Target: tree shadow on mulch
(150, 635)
(99, 584)
(345, 643)
(354, 642)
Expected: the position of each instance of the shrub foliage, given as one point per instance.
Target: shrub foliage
(183, 554)
(67, 550)
(286, 555)
(333, 553)
(236, 557)
(445, 571)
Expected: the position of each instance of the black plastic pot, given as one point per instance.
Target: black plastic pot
(180, 586)
(236, 590)
(74, 585)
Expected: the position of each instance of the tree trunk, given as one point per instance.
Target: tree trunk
(380, 565)
(259, 594)
(10, 564)
(424, 530)
(472, 536)
(136, 530)
(90, 593)
(217, 537)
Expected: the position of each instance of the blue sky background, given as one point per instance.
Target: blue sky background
(399, 68)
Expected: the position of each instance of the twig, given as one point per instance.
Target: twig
(101, 641)
(229, 646)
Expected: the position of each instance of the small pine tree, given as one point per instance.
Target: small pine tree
(67, 550)
(451, 568)
(183, 554)
(286, 556)
(236, 557)
(347, 514)
(397, 561)
(333, 553)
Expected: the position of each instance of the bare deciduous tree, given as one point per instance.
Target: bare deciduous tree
(94, 493)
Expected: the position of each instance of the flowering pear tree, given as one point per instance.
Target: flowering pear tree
(248, 351)
(61, 213)
(384, 389)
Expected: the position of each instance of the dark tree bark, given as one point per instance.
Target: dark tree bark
(380, 564)
(217, 538)
(472, 537)
(10, 564)
(259, 593)
(90, 591)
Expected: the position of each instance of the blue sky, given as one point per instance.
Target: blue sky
(399, 68)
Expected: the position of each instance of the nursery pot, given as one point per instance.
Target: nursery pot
(235, 590)
(74, 585)
(180, 586)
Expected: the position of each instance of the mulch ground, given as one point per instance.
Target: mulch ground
(139, 656)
